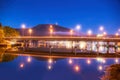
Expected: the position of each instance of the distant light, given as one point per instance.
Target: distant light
(116, 60)
(71, 31)
(99, 35)
(49, 67)
(82, 45)
(51, 30)
(77, 68)
(23, 26)
(101, 28)
(70, 61)
(89, 32)
(30, 30)
(21, 65)
(100, 68)
(29, 59)
(88, 61)
(117, 34)
(51, 26)
(104, 33)
(12, 42)
(104, 61)
(99, 59)
(50, 61)
(78, 27)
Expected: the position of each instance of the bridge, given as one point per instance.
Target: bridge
(68, 38)
(74, 44)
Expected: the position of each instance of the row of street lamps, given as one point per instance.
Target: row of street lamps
(78, 28)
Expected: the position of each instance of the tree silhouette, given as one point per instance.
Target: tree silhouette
(112, 72)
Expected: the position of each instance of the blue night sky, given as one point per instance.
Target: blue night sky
(89, 13)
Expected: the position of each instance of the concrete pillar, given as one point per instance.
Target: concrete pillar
(107, 45)
(115, 47)
(91, 46)
(97, 46)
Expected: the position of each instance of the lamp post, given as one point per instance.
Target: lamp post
(116, 34)
(23, 28)
(89, 32)
(71, 32)
(30, 31)
(78, 27)
(104, 33)
(51, 30)
(101, 28)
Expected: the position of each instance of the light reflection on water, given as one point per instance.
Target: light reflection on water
(36, 68)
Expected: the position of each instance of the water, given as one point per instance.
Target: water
(35, 68)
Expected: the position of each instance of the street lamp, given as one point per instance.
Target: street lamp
(71, 32)
(104, 33)
(89, 32)
(51, 30)
(116, 34)
(78, 27)
(101, 28)
(23, 28)
(30, 31)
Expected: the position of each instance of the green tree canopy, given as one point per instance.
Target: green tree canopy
(10, 32)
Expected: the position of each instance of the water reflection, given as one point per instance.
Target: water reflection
(6, 57)
(68, 68)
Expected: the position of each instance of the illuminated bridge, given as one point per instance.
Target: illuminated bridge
(71, 43)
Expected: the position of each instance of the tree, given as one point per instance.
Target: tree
(1, 33)
(112, 73)
(10, 32)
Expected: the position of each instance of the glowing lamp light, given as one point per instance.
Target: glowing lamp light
(101, 28)
(104, 61)
(100, 68)
(49, 67)
(77, 68)
(117, 34)
(51, 30)
(104, 33)
(116, 60)
(30, 30)
(12, 42)
(29, 59)
(78, 27)
(51, 26)
(21, 65)
(89, 32)
(50, 61)
(23, 26)
(71, 31)
(88, 61)
(70, 61)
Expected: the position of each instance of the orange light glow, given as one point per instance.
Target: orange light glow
(50, 61)
(77, 68)
(70, 61)
(21, 65)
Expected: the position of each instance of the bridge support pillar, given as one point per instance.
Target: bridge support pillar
(91, 46)
(107, 45)
(115, 47)
(97, 46)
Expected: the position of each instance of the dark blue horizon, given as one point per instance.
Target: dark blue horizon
(68, 13)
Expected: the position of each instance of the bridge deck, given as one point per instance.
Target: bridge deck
(68, 38)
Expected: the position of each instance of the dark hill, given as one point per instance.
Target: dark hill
(43, 30)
